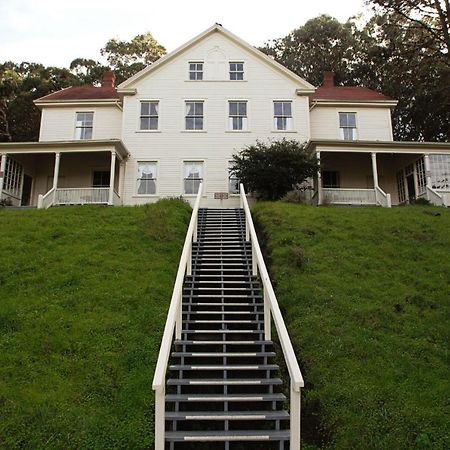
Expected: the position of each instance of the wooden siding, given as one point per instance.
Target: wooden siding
(58, 123)
(373, 123)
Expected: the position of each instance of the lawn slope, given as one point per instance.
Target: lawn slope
(366, 293)
(84, 293)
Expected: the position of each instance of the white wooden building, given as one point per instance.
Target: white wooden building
(179, 121)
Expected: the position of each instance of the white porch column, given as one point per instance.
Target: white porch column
(319, 181)
(374, 170)
(56, 170)
(111, 178)
(426, 160)
(2, 172)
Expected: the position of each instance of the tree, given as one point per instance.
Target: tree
(20, 84)
(394, 52)
(271, 170)
(322, 44)
(127, 58)
(432, 17)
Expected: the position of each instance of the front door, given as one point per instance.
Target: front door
(26, 190)
(411, 188)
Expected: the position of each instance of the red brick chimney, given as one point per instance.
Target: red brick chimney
(328, 79)
(109, 79)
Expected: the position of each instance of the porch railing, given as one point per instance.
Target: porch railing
(344, 196)
(173, 325)
(272, 312)
(46, 200)
(117, 201)
(382, 198)
(81, 196)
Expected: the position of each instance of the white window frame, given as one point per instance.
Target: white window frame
(145, 130)
(184, 178)
(236, 71)
(13, 178)
(185, 117)
(343, 128)
(155, 178)
(289, 124)
(196, 71)
(230, 117)
(83, 127)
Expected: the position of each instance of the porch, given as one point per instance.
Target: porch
(382, 173)
(45, 174)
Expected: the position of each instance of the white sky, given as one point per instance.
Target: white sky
(55, 32)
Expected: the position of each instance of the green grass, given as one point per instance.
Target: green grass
(365, 293)
(84, 293)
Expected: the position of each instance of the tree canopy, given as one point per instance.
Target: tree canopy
(402, 51)
(21, 83)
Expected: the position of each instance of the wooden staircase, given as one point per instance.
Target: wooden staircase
(223, 386)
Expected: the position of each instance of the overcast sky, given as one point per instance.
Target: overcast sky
(55, 32)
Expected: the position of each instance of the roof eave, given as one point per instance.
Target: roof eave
(355, 102)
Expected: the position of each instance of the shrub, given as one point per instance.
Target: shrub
(270, 170)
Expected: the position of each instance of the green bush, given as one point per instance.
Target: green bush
(269, 171)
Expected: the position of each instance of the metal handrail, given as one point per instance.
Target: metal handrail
(173, 325)
(272, 309)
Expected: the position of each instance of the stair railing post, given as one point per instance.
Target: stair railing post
(254, 261)
(267, 317)
(160, 413)
(189, 262)
(179, 321)
(295, 418)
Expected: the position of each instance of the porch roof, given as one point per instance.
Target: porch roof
(332, 145)
(94, 145)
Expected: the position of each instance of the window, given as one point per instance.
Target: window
(149, 115)
(194, 115)
(233, 182)
(236, 71)
(237, 115)
(13, 177)
(421, 176)
(84, 124)
(101, 178)
(330, 179)
(282, 116)
(146, 180)
(440, 171)
(196, 71)
(193, 176)
(401, 186)
(347, 123)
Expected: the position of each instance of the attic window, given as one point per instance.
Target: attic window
(236, 71)
(195, 71)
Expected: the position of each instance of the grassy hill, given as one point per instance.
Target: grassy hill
(365, 293)
(84, 293)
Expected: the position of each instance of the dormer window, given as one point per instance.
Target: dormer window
(195, 71)
(347, 124)
(84, 125)
(236, 71)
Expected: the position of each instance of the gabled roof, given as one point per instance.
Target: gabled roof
(304, 86)
(345, 93)
(81, 93)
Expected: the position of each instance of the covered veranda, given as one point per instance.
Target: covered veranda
(44, 174)
(381, 173)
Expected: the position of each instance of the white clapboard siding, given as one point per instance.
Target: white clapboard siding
(373, 123)
(58, 123)
(215, 146)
